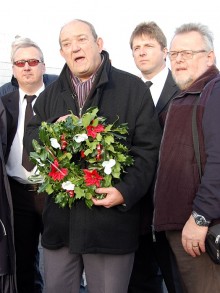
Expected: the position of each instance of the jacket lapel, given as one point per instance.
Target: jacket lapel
(169, 91)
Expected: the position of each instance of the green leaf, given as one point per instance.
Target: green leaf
(49, 189)
(79, 193)
(89, 116)
(109, 139)
(89, 203)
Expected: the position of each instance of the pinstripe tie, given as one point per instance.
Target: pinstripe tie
(26, 163)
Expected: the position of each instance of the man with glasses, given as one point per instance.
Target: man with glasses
(28, 69)
(181, 199)
(13, 84)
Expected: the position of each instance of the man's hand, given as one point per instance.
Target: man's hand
(113, 197)
(193, 237)
(62, 118)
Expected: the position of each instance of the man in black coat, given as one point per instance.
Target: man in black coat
(153, 259)
(7, 249)
(101, 239)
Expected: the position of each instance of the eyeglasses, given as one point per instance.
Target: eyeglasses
(185, 54)
(31, 62)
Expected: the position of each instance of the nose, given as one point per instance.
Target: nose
(26, 65)
(142, 51)
(179, 57)
(75, 46)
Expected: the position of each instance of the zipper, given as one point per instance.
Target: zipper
(3, 227)
(217, 239)
(80, 111)
(74, 96)
(153, 234)
(81, 108)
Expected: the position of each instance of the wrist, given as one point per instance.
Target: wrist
(200, 220)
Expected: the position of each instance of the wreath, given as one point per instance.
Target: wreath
(78, 155)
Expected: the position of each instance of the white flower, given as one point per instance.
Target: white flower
(80, 137)
(108, 166)
(55, 144)
(68, 185)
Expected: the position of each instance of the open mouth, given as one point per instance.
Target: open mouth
(79, 59)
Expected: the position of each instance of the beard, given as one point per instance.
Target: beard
(183, 83)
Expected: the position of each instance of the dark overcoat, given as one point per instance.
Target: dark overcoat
(117, 94)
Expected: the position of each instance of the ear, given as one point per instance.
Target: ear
(211, 58)
(100, 43)
(165, 50)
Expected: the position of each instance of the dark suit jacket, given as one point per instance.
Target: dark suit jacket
(11, 104)
(170, 90)
(7, 250)
(9, 94)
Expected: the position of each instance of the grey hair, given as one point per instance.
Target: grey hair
(202, 29)
(150, 29)
(93, 31)
(21, 42)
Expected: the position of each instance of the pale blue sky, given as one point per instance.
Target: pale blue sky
(114, 21)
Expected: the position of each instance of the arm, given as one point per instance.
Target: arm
(207, 200)
(144, 148)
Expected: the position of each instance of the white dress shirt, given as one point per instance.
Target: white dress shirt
(14, 164)
(158, 84)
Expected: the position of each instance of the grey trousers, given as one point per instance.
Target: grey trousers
(105, 273)
(199, 274)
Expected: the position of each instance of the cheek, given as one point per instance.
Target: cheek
(65, 54)
(195, 71)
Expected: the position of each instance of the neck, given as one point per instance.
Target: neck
(30, 89)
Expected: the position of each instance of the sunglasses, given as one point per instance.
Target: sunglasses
(31, 62)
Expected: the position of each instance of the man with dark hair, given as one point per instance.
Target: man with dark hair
(154, 260)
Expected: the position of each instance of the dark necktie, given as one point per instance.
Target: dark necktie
(148, 83)
(26, 163)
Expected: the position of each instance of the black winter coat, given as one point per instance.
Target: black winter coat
(117, 94)
(7, 249)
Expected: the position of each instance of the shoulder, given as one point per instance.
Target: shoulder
(10, 97)
(7, 88)
(49, 78)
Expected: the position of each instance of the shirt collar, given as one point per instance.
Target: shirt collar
(37, 93)
(160, 77)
